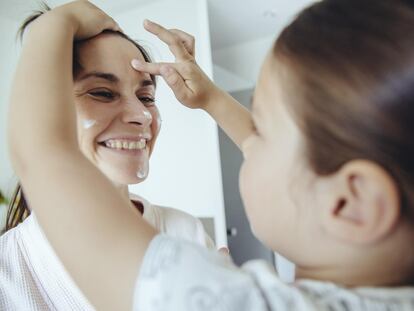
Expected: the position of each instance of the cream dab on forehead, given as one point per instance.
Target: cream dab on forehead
(88, 123)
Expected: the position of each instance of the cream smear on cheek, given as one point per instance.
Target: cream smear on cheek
(147, 115)
(88, 123)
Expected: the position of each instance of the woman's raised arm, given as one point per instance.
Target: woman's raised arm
(100, 243)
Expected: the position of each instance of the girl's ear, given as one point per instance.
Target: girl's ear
(363, 203)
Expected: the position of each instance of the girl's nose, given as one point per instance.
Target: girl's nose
(135, 112)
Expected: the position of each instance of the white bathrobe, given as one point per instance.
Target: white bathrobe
(33, 278)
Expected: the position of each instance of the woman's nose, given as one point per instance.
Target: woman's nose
(135, 112)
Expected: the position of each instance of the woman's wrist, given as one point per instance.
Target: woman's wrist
(55, 20)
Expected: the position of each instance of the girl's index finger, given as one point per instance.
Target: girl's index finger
(174, 42)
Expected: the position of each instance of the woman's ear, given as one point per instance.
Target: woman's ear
(363, 203)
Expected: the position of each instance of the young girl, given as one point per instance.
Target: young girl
(327, 179)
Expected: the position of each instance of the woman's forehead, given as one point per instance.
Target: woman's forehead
(109, 53)
(107, 50)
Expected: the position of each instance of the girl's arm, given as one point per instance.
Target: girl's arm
(193, 88)
(99, 239)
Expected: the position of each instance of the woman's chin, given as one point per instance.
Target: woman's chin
(125, 176)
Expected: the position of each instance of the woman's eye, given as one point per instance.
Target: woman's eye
(146, 100)
(102, 95)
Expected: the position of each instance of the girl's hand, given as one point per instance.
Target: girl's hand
(193, 88)
(87, 19)
(189, 83)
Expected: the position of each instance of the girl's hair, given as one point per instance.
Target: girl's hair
(348, 67)
(18, 209)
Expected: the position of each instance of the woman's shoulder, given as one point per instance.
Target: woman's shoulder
(172, 218)
(175, 223)
(9, 239)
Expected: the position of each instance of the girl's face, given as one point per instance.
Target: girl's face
(272, 168)
(118, 121)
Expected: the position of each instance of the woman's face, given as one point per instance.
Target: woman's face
(118, 121)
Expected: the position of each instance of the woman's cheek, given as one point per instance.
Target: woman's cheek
(155, 125)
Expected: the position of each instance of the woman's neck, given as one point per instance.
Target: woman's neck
(123, 189)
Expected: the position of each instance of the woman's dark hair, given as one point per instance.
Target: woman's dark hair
(18, 209)
(348, 69)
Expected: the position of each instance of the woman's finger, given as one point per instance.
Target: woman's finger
(173, 41)
(187, 39)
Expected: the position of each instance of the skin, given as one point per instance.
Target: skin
(121, 106)
(355, 212)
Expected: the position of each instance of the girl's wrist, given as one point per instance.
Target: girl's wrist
(214, 105)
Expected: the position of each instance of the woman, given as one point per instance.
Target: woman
(117, 126)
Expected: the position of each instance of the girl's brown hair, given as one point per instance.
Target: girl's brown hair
(349, 72)
(18, 209)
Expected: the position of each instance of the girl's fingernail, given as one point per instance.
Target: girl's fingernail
(136, 63)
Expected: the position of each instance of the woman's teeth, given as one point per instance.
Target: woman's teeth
(128, 145)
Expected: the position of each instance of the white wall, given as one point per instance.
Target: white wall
(243, 60)
(185, 167)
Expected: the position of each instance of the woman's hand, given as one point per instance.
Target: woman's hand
(86, 19)
(189, 83)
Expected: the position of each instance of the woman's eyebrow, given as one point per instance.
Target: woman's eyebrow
(101, 75)
(110, 77)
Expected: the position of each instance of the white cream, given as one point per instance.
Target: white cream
(147, 114)
(87, 124)
(143, 170)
